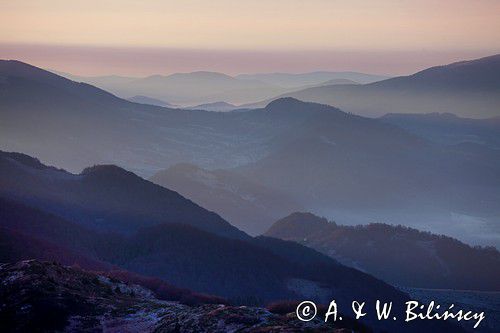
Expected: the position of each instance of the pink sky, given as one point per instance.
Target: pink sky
(130, 37)
(139, 61)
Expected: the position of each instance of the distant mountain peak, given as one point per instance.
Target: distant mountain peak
(202, 74)
(52, 87)
(13, 63)
(463, 76)
(214, 106)
(338, 82)
(108, 170)
(285, 102)
(299, 222)
(220, 103)
(21, 69)
(290, 104)
(25, 160)
(304, 217)
(467, 88)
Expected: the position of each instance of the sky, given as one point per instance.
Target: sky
(134, 37)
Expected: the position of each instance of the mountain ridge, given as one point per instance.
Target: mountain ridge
(400, 255)
(218, 264)
(459, 88)
(104, 188)
(348, 156)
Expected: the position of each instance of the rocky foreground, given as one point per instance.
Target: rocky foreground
(42, 296)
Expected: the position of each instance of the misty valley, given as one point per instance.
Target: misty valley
(204, 202)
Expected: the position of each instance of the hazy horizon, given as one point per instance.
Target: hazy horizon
(133, 38)
(122, 61)
(350, 152)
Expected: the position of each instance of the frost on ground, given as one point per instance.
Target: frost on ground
(43, 296)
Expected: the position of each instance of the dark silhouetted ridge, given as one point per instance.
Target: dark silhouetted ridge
(19, 74)
(104, 197)
(108, 170)
(400, 255)
(25, 160)
(290, 104)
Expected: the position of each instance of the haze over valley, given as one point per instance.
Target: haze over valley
(349, 168)
(250, 166)
(202, 87)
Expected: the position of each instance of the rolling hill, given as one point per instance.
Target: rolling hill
(399, 255)
(102, 197)
(347, 167)
(467, 88)
(74, 125)
(216, 106)
(186, 88)
(204, 87)
(256, 272)
(245, 270)
(361, 170)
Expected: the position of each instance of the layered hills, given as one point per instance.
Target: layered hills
(337, 164)
(467, 88)
(399, 255)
